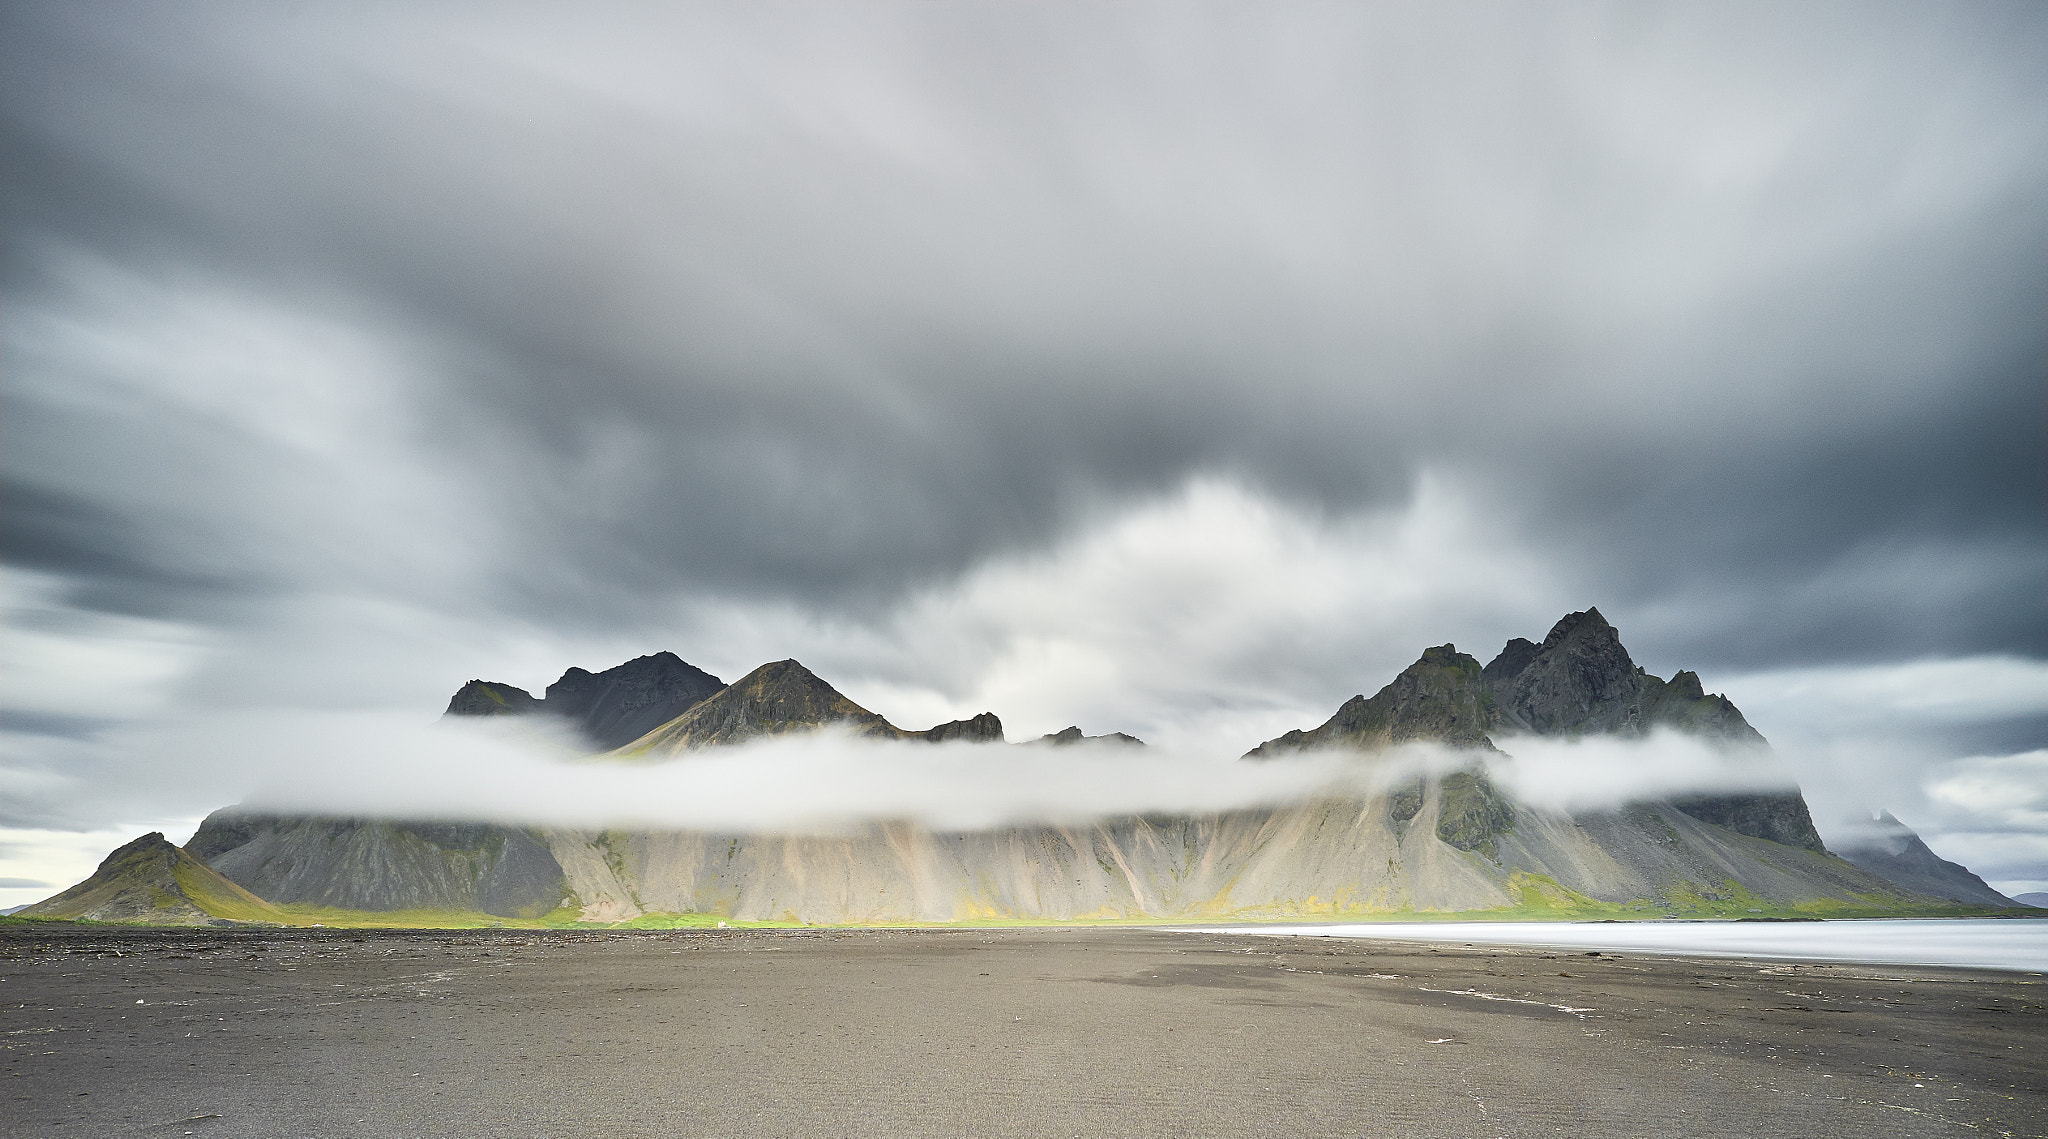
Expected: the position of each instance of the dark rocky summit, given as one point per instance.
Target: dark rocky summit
(1581, 681)
(610, 708)
(619, 705)
(1891, 850)
(490, 698)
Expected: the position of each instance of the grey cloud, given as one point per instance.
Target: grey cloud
(1728, 318)
(726, 299)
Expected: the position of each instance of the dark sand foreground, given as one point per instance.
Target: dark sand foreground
(1060, 1032)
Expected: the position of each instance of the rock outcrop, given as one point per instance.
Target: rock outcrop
(1071, 735)
(150, 881)
(982, 729)
(1891, 850)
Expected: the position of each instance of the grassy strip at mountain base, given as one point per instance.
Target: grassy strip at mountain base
(1538, 899)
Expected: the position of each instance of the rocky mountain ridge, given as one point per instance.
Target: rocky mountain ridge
(1448, 841)
(659, 706)
(1580, 681)
(610, 708)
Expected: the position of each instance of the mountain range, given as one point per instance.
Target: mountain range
(1440, 842)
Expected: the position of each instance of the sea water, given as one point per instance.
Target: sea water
(1982, 943)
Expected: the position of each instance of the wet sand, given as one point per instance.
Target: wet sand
(1044, 1032)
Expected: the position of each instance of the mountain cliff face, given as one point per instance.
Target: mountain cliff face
(610, 708)
(1892, 851)
(367, 864)
(1324, 858)
(152, 882)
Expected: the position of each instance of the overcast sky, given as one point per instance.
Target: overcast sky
(1179, 369)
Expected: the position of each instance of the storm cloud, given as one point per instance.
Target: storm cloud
(1180, 369)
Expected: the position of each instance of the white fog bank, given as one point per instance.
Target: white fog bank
(521, 772)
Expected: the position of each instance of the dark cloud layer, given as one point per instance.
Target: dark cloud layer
(782, 300)
(557, 318)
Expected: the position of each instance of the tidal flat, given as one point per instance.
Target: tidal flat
(995, 1032)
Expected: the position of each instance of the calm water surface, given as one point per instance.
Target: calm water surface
(1984, 943)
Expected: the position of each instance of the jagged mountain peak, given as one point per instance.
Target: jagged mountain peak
(1580, 679)
(778, 697)
(625, 702)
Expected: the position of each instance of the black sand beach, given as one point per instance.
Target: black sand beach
(1040, 1032)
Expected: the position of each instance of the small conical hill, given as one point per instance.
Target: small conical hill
(152, 882)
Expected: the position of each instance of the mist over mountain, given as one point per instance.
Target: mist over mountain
(1579, 682)
(1889, 849)
(1416, 803)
